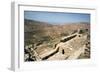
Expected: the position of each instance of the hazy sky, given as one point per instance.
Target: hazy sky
(56, 17)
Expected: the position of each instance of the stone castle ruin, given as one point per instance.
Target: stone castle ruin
(73, 46)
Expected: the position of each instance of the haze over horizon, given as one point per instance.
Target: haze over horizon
(57, 17)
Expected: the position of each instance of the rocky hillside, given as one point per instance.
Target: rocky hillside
(36, 31)
(42, 37)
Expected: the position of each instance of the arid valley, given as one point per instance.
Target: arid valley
(44, 41)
